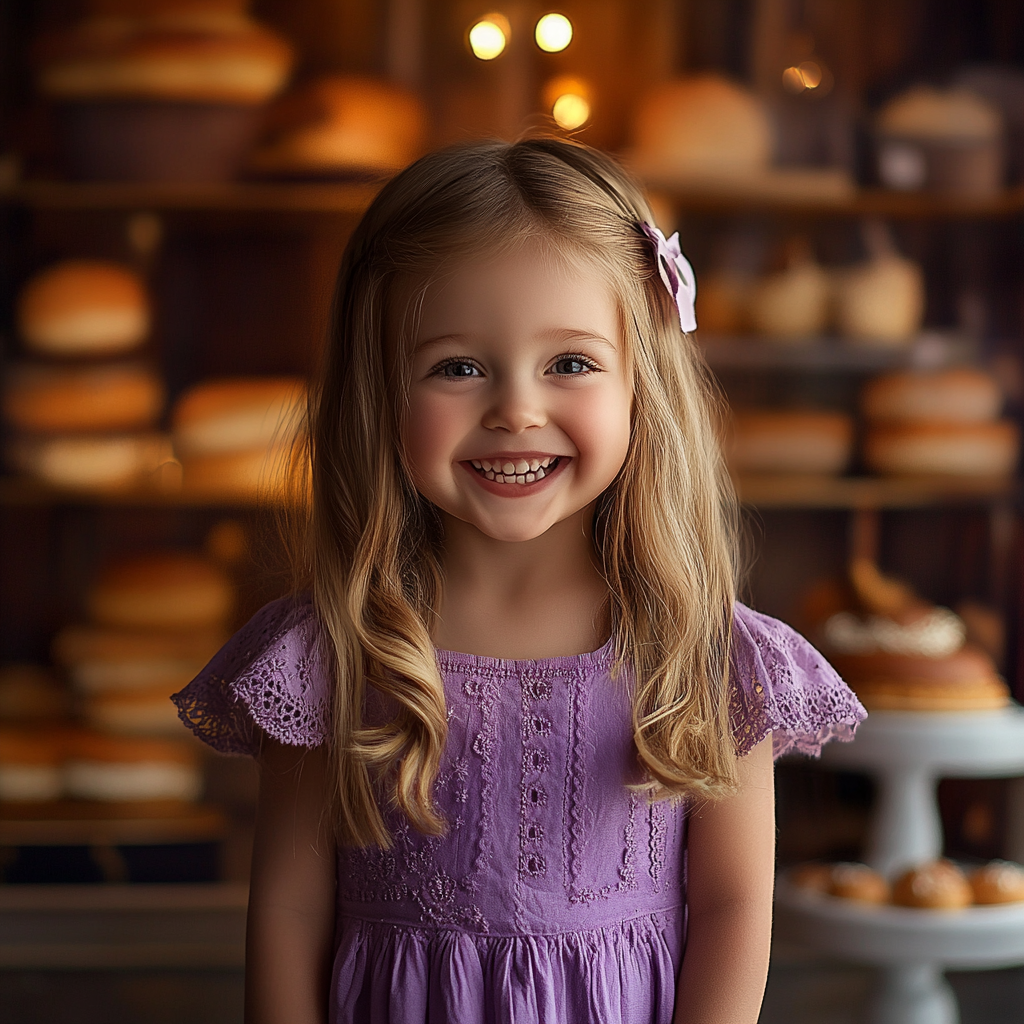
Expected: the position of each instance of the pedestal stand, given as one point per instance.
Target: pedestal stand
(908, 752)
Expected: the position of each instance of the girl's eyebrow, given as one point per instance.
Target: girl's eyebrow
(437, 340)
(561, 335)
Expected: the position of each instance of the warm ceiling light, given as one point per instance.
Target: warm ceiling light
(570, 111)
(807, 75)
(553, 32)
(489, 36)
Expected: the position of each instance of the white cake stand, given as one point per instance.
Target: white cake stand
(907, 752)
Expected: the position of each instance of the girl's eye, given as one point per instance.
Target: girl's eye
(573, 366)
(456, 368)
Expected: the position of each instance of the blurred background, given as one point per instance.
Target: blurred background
(178, 179)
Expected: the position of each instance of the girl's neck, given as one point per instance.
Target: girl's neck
(540, 598)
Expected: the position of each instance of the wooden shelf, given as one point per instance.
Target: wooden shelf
(822, 492)
(867, 202)
(84, 823)
(25, 492)
(350, 198)
(830, 354)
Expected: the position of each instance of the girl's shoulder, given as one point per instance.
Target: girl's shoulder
(269, 678)
(783, 686)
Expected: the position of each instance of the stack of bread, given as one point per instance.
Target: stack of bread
(155, 621)
(84, 406)
(240, 437)
(936, 885)
(340, 126)
(943, 422)
(161, 89)
(799, 441)
(900, 653)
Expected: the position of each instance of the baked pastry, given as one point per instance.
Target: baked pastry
(940, 885)
(30, 693)
(149, 712)
(926, 113)
(99, 660)
(263, 473)
(122, 768)
(702, 126)
(30, 764)
(812, 876)
(899, 653)
(90, 460)
(949, 449)
(858, 882)
(61, 399)
(238, 415)
(167, 591)
(341, 124)
(791, 304)
(790, 442)
(1000, 881)
(960, 395)
(168, 52)
(83, 308)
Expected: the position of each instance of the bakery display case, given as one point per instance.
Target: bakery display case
(174, 201)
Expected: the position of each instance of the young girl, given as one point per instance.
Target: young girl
(516, 738)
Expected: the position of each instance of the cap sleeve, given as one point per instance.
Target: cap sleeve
(783, 686)
(268, 678)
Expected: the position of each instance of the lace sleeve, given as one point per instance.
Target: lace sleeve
(783, 686)
(268, 678)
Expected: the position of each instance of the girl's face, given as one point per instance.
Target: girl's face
(520, 399)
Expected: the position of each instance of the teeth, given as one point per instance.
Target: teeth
(534, 465)
(476, 465)
(540, 474)
(508, 468)
(530, 477)
(522, 466)
(520, 478)
(489, 475)
(499, 478)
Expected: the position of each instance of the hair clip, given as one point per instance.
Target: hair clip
(676, 272)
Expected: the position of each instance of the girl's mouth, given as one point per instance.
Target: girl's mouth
(516, 471)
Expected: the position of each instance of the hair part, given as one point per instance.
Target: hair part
(664, 530)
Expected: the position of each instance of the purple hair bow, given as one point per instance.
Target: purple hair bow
(677, 274)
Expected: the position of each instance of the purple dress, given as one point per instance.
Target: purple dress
(557, 894)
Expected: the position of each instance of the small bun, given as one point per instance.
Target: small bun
(100, 461)
(940, 885)
(83, 308)
(163, 591)
(60, 399)
(813, 876)
(238, 415)
(790, 442)
(953, 449)
(950, 396)
(1000, 881)
(858, 882)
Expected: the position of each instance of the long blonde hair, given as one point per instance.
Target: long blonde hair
(664, 530)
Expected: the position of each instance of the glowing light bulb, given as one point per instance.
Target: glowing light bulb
(570, 111)
(553, 33)
(489, 36)
(807, 75)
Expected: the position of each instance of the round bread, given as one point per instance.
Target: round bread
(30, 693)
(880, 303)
(121, 768)
(219, 57)
(83, 308)
(262, 473)
(133, 713)
(1000, 881)
(161, 591)
(791, 442)
(940, 885)
(948, 396)
(858, 882)
(926, 113)
(954, 449)
(791, 304)
(238, 415)
(702, 126)
(100, 461)
(60, 399)
(338, 124)
(813, 876)
(30, 765)
(963, 681)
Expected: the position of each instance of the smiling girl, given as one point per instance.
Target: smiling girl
(515, 734)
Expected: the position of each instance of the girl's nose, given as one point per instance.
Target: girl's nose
(515, 408)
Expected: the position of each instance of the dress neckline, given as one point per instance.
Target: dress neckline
(455, 660)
